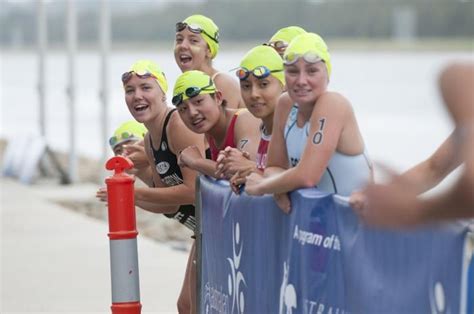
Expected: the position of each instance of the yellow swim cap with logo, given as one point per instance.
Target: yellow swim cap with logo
(143, 67)
(210, 29)
(309, 43)
(286, 34)
(264, 56)
(190, 84)
(127, 131)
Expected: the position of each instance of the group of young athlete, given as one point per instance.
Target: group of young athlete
(279, 130)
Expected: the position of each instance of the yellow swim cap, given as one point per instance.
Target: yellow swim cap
(209, 28)
(286, 34)
(143, 67)
(190, 84)
(267, 57)
(309, 42)
(130, 130)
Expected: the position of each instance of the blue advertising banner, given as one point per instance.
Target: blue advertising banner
(321, 259)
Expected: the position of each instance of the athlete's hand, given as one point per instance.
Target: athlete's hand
(136, 153)
(188, 156)
(283, 201)
(358, 200)
(232, 160)
(392, 206)
(101, 194)
(237, 181)
(252, 186)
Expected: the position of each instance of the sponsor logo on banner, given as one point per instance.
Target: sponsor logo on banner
(215, 300)
(320, 240)
(288, 298)
(314, 307)
(236, 278)
(218, 301)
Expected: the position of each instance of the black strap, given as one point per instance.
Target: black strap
(164, 137)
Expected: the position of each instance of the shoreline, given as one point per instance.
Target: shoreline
(336, 44)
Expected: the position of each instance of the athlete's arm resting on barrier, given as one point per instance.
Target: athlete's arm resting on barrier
(232, 161)
(154, 208)
(192, 158)
(331, 107)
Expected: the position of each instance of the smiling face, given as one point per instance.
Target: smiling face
(201, 113)
(190, 50)
(261, 95)
(305, 81)
(144, 98)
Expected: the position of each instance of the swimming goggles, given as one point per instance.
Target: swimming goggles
(196, 29)
(124, 136)
(128, 75)
(190, 92)
(310, 57)
(278, 45)
(259, 72)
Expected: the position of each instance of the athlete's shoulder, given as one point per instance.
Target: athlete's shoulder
(334, 98)
(223, 78)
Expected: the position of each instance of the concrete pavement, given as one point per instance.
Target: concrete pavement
(55, 260)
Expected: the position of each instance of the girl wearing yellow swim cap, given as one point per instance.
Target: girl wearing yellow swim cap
(172, 187)
(196, 44)
(316, 139)
(261, 84)
(280, 40)
(203, 110)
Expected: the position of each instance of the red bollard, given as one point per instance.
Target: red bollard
(123, 238)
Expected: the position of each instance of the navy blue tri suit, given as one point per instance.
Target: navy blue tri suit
(166, 165)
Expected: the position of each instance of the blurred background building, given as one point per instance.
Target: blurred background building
(246, 20)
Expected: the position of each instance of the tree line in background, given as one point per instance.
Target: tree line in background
(244, 20)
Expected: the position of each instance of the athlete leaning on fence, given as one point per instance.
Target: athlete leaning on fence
(204, 111)
(261, 84)
(172, 192)
(316, 139)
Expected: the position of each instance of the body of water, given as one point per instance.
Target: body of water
(394, 95)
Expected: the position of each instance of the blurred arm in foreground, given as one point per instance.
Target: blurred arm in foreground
(397, 204)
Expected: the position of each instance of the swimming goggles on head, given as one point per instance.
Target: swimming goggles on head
(128, 75)
(259, 72)
(309, 57)
(124, 136)
(196, 29)
(190, 92)
(278, 45)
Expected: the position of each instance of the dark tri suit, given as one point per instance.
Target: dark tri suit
(166, 165)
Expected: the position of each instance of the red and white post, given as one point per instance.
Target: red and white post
(123, 238)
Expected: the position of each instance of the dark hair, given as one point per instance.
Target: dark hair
(224, 102)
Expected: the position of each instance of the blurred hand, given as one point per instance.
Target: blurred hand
(392, 205)
(101, 194)
(136, 153)
(188, 156)
(358, 200)
(252, 184)
(283, 201)
(231, 160)
(239, 179)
